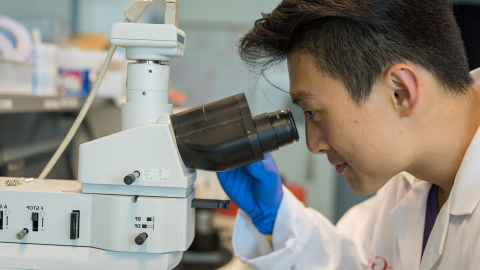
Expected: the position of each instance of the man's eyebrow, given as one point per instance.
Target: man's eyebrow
(301, 96)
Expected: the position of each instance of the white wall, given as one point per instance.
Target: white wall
(98, 16)
(22, 9)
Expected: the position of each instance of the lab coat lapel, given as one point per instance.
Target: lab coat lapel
(436, 241)
(409, 220)
(463, 199)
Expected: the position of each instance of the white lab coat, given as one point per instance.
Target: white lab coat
(383, 233)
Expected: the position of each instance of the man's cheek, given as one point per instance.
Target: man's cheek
(328, 131)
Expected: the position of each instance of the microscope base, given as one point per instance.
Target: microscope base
(49, 224)
(30, 256)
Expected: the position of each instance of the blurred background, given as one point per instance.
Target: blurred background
(43, 88)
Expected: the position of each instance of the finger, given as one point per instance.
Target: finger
(225, 177)
(262, 169)
(228, 178)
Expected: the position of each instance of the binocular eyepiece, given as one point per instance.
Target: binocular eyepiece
(223, 135)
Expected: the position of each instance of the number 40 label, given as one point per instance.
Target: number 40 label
(156, 175)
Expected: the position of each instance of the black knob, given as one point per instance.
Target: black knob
(141, 238)
(129, 179)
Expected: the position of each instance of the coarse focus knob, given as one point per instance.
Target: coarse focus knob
(22, 234)
(130, 178)
(141, 238)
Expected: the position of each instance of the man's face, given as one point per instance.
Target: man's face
(366, 142)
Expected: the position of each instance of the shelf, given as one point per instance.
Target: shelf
(28, 150)
(24, 104)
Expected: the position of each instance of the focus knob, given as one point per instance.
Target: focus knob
(141, 238)
(130, 178)
(22, 234)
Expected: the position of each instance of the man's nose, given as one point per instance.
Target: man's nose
(317, 143)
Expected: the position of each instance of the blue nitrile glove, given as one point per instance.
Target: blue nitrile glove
(257, 189)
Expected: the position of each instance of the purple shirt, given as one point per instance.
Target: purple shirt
(431, 214)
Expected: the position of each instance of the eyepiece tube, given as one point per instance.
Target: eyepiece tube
(276, 130)
(223, 135)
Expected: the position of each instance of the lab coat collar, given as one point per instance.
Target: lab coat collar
(410, 179)
(463, 200)
(465, 193)
(436, 241)
(408, 218)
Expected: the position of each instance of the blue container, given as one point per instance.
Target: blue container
(74, 82)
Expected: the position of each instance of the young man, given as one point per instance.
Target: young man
(388, 98)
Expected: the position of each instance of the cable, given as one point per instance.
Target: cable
(133, 13)
(81, 114)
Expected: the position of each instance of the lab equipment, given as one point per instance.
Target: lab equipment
(20, 47)
(79, 69)
(13, 182)
(45, 60)
(133, 206)
(15, 78)
(223, 135)
(73, 82)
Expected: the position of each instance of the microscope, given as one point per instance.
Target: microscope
(133, 206)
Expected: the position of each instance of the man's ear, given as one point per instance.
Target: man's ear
(404, 83)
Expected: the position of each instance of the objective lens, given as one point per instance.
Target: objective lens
(276, 130)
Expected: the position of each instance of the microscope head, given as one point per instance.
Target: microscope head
(223, 135)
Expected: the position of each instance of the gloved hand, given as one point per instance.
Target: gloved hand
(257, 189)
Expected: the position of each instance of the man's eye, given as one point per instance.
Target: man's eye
(311, 112)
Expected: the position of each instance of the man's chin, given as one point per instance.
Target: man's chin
(360, 186)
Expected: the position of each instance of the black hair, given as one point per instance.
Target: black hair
(353, 41)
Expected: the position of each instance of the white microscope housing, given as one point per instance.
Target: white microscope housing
(132, 206)
(147, 142)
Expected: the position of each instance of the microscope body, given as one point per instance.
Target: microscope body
(132, 207)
